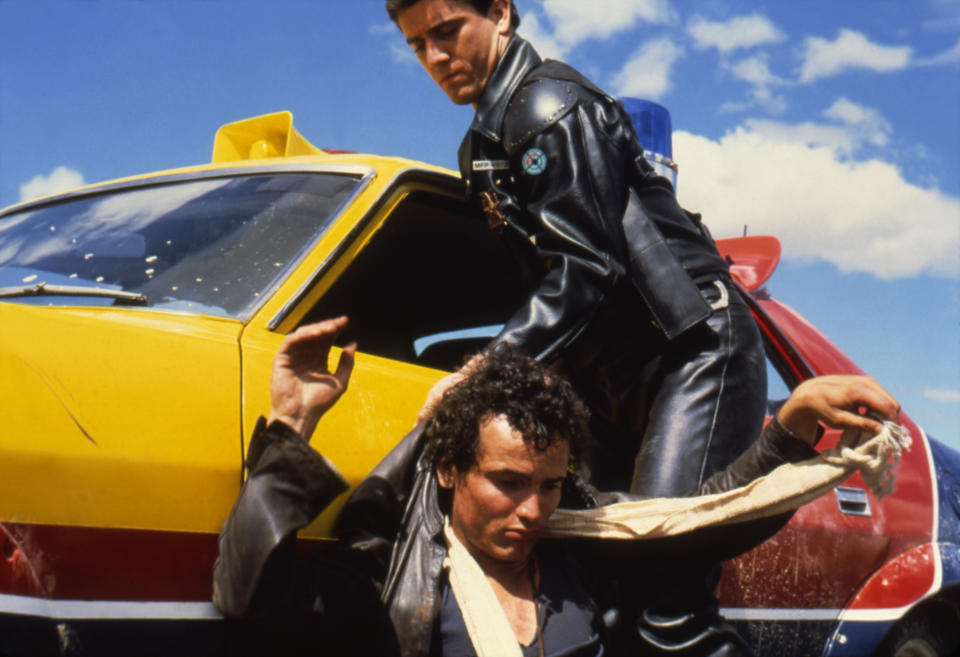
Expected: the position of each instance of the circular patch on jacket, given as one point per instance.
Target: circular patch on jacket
(534, 161)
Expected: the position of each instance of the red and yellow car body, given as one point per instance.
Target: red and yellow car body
(124, 422)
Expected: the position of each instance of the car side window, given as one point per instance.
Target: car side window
(432, 286)
(778, 390)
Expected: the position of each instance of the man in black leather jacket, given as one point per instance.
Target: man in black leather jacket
(634, 303)
(633, 299)
(378, 590)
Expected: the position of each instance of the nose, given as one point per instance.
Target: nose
(530, 509)
(434, 54)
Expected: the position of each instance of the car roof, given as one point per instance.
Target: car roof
(267, 141)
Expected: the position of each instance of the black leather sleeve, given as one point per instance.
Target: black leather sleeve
(572, 209)
(777, 445)
(288, 485)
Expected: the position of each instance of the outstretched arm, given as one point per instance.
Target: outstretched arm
(837, 401)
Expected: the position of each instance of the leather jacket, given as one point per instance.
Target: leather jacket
(555, 162)
(391, 526)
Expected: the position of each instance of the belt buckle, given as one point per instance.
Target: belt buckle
(724, 299)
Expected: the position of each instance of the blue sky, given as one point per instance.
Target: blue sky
(833, 125)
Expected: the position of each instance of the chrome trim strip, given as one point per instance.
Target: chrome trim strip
(749, 614)
(826, 614)
(105, 609)
(361, 170)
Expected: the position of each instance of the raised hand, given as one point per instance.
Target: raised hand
(302, 387)
(837, 401)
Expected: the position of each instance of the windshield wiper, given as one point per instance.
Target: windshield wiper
(43, 289)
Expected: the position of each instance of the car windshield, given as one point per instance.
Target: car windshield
(213, 246)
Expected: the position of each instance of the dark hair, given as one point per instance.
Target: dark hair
(394, 7)
(541, 406)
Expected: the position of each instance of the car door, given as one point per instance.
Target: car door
(787, 595)
(425, 284)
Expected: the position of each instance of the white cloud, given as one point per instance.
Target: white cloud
(60, 179)
(949, 56)
(791, 182)
(575, 21)
(822, 58)
(947, 15)
(868, 122)
(647, 73)
(547, 46)
(739, 32)
(385, 28)
(400, 51)
(756, 71)
(945, 395)
(766, 99)
(839, 139)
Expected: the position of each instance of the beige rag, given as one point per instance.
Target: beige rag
(487, 624)
(788, 487)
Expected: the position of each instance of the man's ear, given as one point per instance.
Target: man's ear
(500, 13)
(446, 475)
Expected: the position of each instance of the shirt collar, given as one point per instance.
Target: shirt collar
(514, 64)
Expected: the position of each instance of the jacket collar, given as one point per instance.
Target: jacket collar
(516, 61)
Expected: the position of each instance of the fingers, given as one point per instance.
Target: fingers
(841, 419)
(319, 334)
(870, 394)
(310, 345)
(345, 366)
(840, 401)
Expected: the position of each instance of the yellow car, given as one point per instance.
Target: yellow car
(138, 322)
(135, 355)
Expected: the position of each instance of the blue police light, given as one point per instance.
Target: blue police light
(654, 131)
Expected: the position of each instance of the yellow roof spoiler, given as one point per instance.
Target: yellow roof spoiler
(270, 135)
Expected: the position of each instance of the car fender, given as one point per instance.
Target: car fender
(912, 577)
(895, 589)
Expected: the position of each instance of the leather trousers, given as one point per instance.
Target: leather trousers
(666, 416)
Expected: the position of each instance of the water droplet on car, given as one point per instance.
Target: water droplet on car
(169, 242)
(99, 279)
(216, 289)
(152, 258)
(278, 264)
(73, 275)
(87, 256)
(198, 279)
(30, 279)
(175, 288)
(53, 229)
(149, 272)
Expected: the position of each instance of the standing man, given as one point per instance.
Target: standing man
(634, 302)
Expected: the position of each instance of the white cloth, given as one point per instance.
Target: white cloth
(490, 632)
(788, 487)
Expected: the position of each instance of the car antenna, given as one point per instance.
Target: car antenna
(744, 230)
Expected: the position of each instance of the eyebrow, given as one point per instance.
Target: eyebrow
(522, 475)
(435, 28)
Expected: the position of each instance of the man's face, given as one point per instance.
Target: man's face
(457, 45)
(502, 503)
